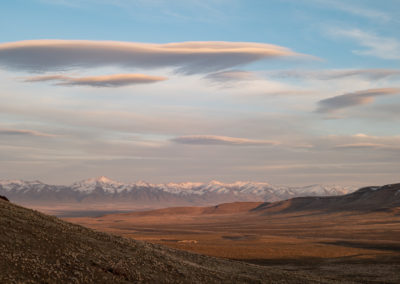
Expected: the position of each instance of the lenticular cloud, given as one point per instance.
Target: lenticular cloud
(221, 140)
(114, 80)
(353, 99)
(184, 57)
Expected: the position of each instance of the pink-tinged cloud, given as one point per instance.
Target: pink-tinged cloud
(221, 140)
(23, 132)
(184, 57)
(115, 80)
(359, 145)
(353, 99)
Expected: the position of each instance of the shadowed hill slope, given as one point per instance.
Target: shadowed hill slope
(224, 208)
(367, 199)
(38, 248)
(4, 198)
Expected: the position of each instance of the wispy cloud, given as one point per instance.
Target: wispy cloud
(371, 74)
(344, 6)
(221, 140)
(378, 46)
(115, 80)
(193, 10)
(364, 141)
(360, 141)
(23, 132)
(231, 75)
(359, 146)
(184, 57)
(353, 99)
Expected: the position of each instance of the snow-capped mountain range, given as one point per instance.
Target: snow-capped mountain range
(141, 194)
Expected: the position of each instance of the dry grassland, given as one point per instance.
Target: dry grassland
(361, 247)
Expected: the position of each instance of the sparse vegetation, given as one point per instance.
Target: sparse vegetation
(333, 242)
(36, 248)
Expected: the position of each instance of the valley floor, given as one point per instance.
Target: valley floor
(352, 246)
(37, 248)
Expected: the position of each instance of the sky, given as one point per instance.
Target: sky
(290, 92)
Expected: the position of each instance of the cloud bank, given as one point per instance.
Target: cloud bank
(221, 140)
(184, 57)
(115, 80)
(353, 99)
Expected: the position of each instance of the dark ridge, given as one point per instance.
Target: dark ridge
(365, 245)
(261, 206)
(4, 198)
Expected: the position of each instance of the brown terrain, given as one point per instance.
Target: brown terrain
(37, 248)
(354, 237)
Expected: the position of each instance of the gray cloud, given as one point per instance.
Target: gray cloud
(185, 57)
(358, 141)
(359, 146)
(24, 132)
(221, 140)
(115, 80)
(231, 75)
(372, 74)
(353, 99)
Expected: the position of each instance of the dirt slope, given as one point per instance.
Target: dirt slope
(36, 248)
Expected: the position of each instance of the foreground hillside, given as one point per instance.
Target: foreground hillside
(353, 237)
(36, 248)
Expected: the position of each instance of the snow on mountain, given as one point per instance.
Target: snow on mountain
(106, 184)
(19, 185)
(103, 189)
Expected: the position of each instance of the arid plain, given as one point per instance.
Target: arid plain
(340, 239)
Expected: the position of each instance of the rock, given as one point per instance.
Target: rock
(4, 198)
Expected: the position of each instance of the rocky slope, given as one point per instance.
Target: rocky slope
(36, 248)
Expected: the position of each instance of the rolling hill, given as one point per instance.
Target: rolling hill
(367, 199)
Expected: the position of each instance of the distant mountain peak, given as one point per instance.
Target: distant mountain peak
(104, 189)
(95, 180)
(102, 179)
(89, 185)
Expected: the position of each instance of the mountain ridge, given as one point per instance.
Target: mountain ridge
(102, 190)
(371, 198)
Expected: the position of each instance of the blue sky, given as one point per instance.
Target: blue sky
(309, 95)
(307, 26)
